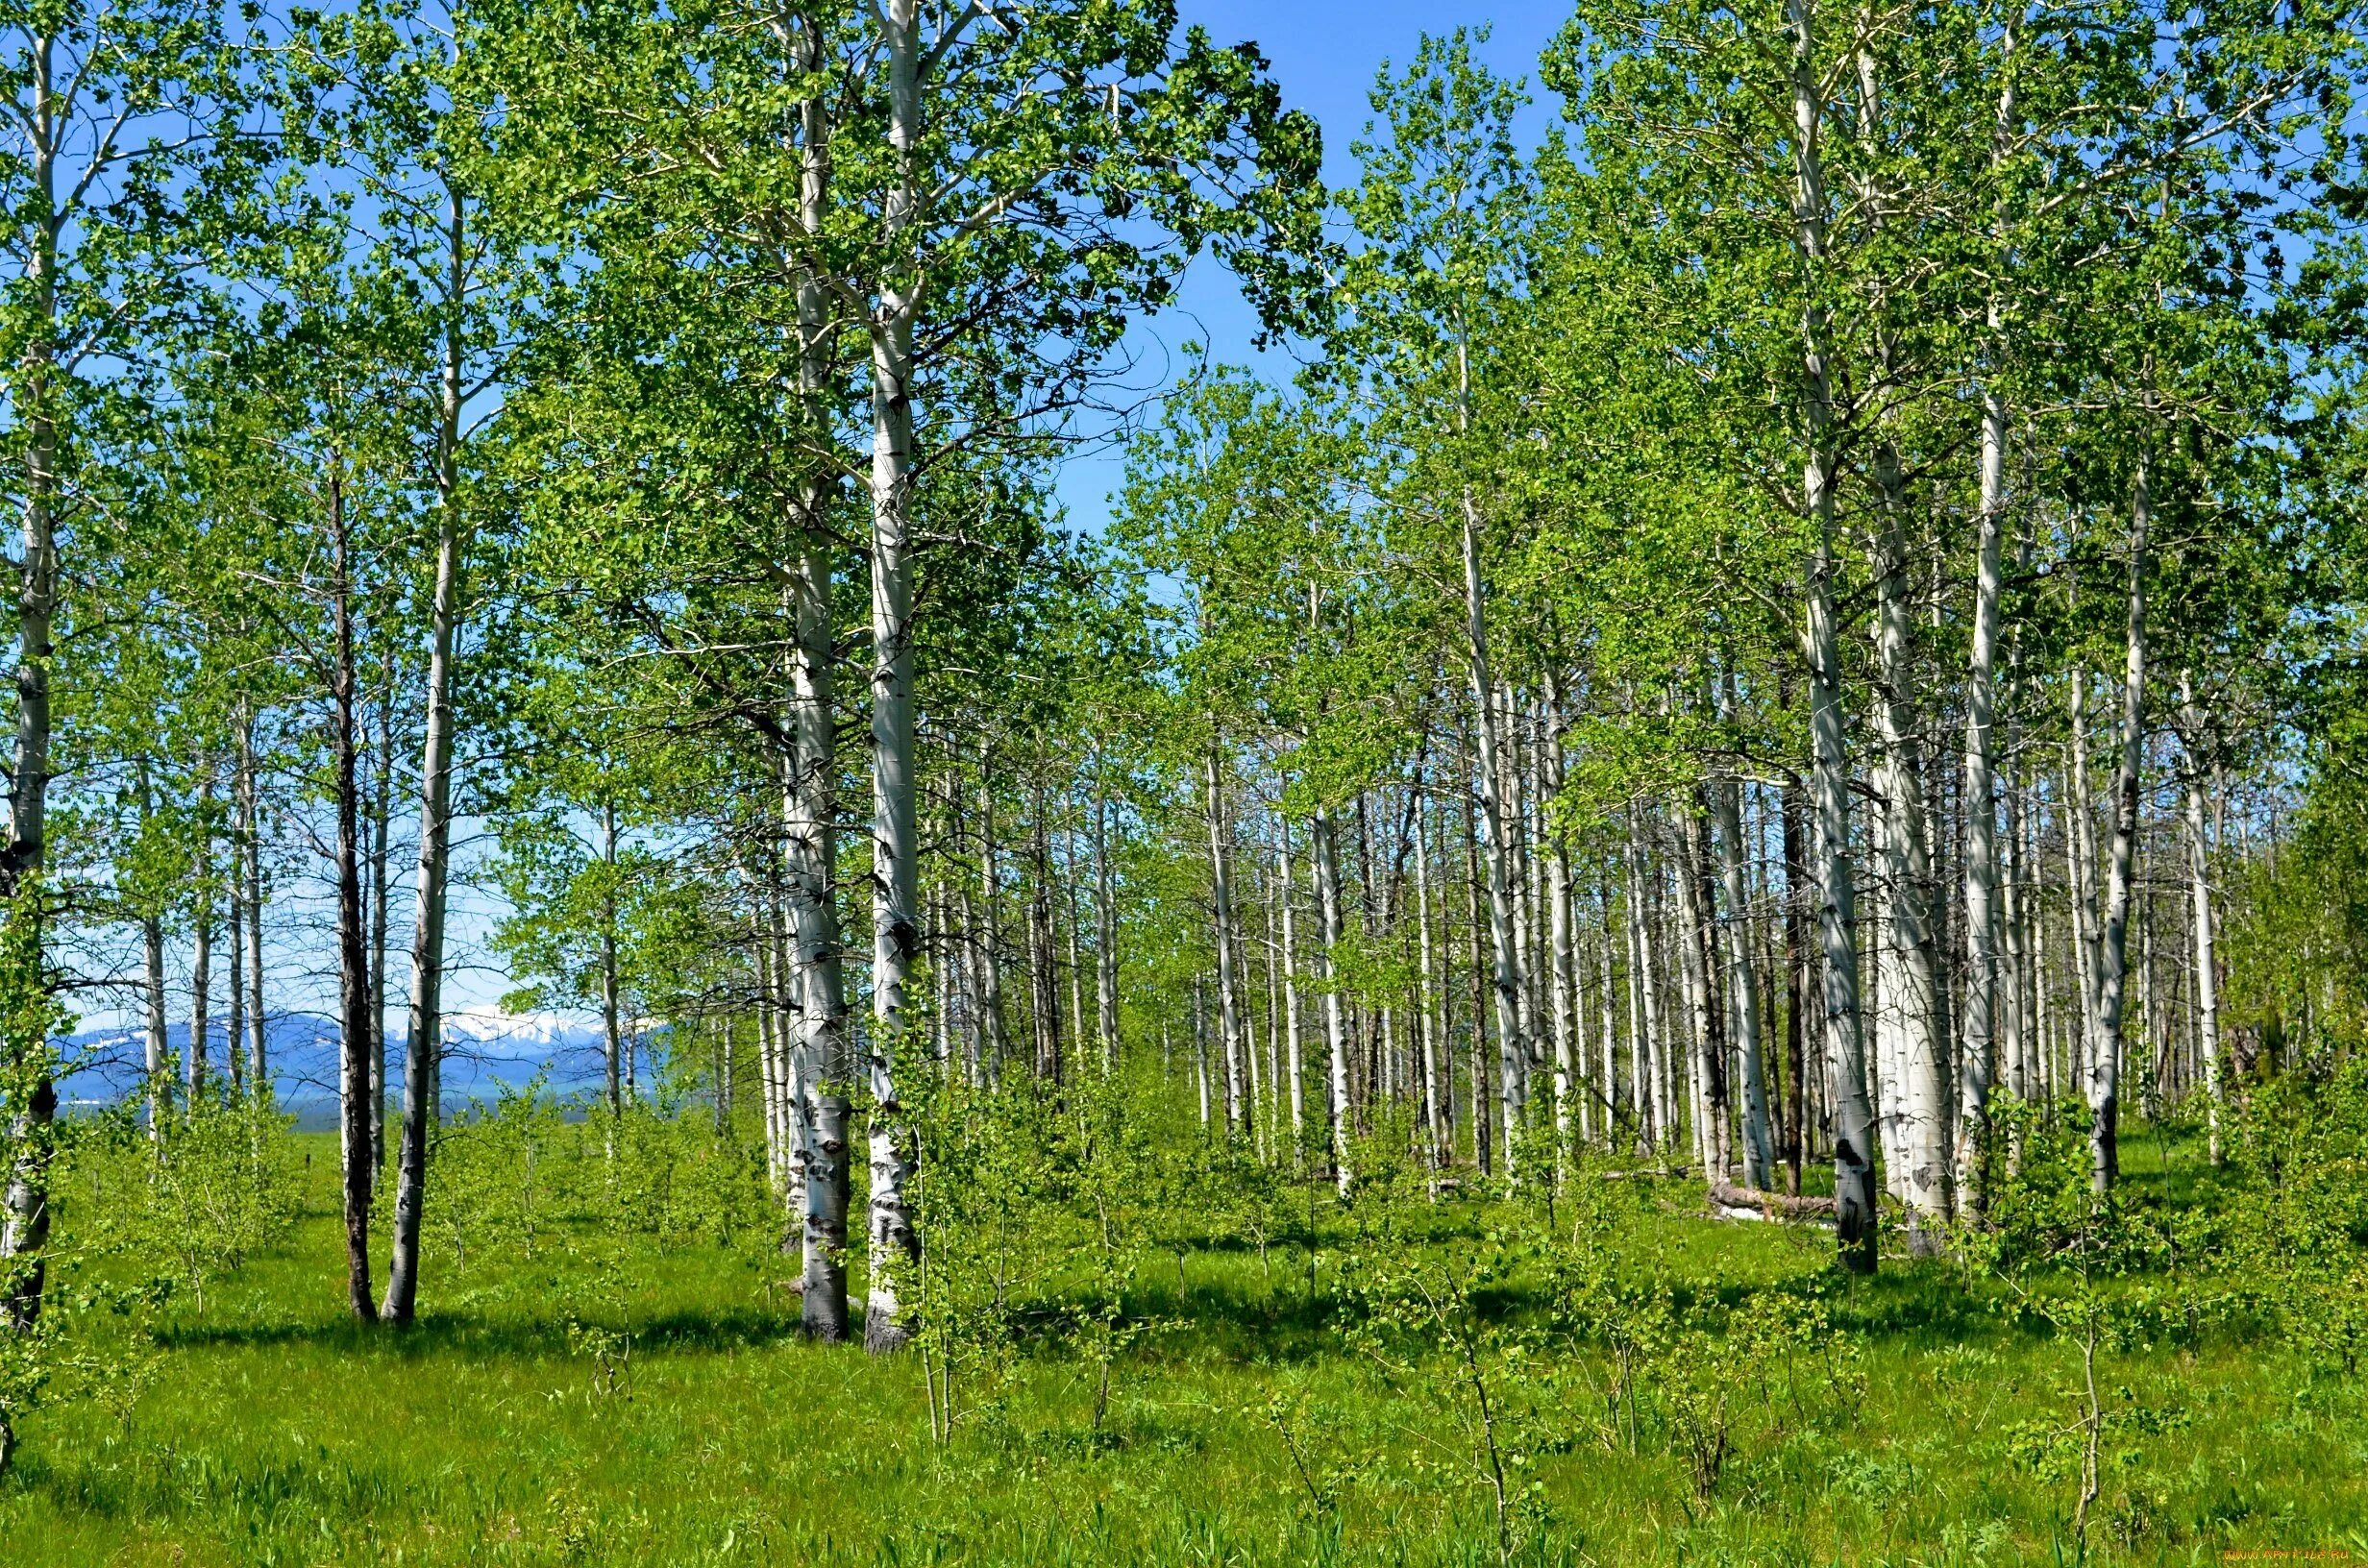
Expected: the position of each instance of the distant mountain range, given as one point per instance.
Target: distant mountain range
(485, 1050)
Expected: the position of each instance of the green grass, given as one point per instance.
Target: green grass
(275, 1432)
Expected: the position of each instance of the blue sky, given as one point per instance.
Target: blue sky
(1325, 54)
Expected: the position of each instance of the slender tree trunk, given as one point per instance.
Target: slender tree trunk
(1291, 992)
(1854, 1171)
(1106, 945)
(353, 949)
(817, 1102)
(1563, 967)
(1796, 989)
(1611, 1026)
(1701, 962)
(157, 1047)
(1925, 1123)
(612, 1034)
(235, 1023)
(382, 824)
(1742, 987)
(2112, 936)
(251, 850)
(1981, 814)
(25, 1213)
(1487, 774)
(1220, 892)
(1434, 1121)
(1044, 963)
(1476, 967)
(894, 1244)
(1324, 869)
(201, 955)
(2199, 882)
(422, 1064)
(996, 1036)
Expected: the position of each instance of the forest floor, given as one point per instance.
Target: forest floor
(513, 1425)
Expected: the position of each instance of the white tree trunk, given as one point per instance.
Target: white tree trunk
(2112, 936)
(1221, 891)
(251, 874)
(1433, 1121)
(1854, 1174)
(1742, 990)
(1323, 870)
(2199, 883)
(1913, 1009)
(1487, 777)
(421, 1074)
(1563, 960)
(1981, 1008)
(1291, 992)
(201, 955)
(1105, 938)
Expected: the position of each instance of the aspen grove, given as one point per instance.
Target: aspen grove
(1677, 875)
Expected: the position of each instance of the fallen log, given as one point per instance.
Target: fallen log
(1731, 1202)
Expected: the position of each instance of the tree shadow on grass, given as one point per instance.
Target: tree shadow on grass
(470, 1335)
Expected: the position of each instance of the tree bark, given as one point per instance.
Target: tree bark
(1742, 987)
(25, 1215)
(1854, 1171)
(353, 947)
(251, 851)
(1564, 964)
(1487, 777)
(2199, 882)
(1323, 870)
(2112, 936)
(1293, 1043)
(424, 1049)
(1925, 1123)
(382, 824)
(893, 1243)
(157, 1045)
(1981, 1031)
(201, 955)
(1106, 947)
(612, 1034)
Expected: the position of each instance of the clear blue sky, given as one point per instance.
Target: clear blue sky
(1325, 54)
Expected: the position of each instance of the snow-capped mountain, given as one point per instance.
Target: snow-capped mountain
(485, 1049)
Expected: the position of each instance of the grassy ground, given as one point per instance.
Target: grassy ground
(1247, 1431)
